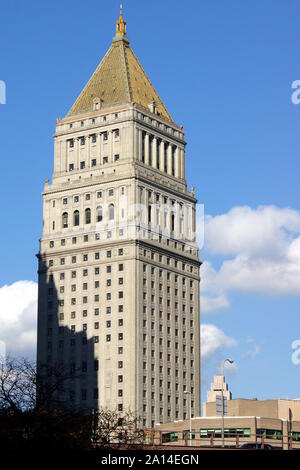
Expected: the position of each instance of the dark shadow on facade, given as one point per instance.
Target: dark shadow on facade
(65, 356)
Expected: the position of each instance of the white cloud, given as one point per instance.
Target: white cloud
(262, 250)
(213, 339)
(18, 314)
(211, 304)
(262, 232)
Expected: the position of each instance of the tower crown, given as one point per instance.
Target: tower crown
(120, 25)
(118, 79)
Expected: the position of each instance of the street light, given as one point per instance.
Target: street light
(190, 408)
(230, 361)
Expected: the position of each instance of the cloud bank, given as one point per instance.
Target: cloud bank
(259, 251)
(18, 315)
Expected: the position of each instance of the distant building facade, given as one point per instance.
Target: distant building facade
(274, 422)
(119, 286)
(215, 393)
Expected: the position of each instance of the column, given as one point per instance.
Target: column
(154, 150)
(177, 163)
(182, 157)
(111, 146)
(169, 159)
(147, 149)
(88, 150)
(162, 151)
(77, 143)
(98, 147)
(140, 145)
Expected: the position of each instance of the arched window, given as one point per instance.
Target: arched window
(99, 214)
(65, 220)
(87, 216)
(76, 218)
(111, 212)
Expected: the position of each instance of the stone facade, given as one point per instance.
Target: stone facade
(119, 269)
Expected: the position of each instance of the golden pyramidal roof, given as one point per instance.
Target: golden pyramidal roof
(118, 79)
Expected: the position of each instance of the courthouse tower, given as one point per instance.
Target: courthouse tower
(118, 265)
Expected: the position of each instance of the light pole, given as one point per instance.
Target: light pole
(190, 408)
(230, 361)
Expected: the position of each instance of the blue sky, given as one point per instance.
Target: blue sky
(224, 69)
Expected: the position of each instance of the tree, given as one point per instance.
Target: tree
(111, 428)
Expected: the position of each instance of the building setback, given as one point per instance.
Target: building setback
(119, 269)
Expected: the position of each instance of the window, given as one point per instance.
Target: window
(94, 138)
(117, 157)
(76, 218)
(76, 199)
(110, 192)
(105, 160)
(82, 165)
(88, 216)
(65, 200)
(65, 220)
(105, 136)
(99, 214)
(111, 212)
(94, 162)
(99, 194)
(150, 149)
(173, 160)
(143, 146)
(71, 143)
(158, 153)
(117, 133)
(51, 244)
(82, 140)
(166, 157)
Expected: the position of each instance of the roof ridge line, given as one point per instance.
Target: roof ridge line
(136, 58)
(126, 71)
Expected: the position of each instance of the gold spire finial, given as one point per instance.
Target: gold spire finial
(121, 24)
